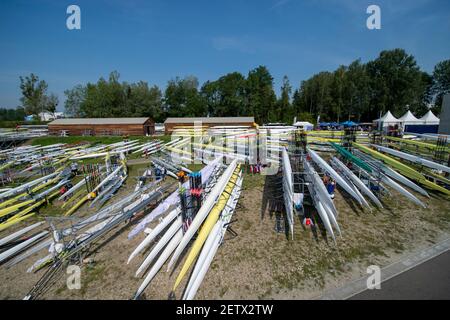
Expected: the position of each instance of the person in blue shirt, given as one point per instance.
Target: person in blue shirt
(331, 186)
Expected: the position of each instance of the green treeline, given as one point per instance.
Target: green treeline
(360, 91)
(12, 114)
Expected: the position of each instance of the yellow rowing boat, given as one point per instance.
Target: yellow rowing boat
(208, 225)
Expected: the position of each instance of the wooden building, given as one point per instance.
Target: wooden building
(102, 126)
(172, 123)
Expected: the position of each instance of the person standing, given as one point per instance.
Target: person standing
(331, 187)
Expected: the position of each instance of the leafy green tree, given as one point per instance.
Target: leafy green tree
(17, 114)
(284, 110)
(34, 95)
(306, 116)
(144, 101)
(232, 90)
(226, 96)
(211, 96)
(182, 99)
(175, 99)
(397, 82)
(75, 97)
(51, 103)
(260, 96)
(338, 84)
(322, 86)
(357, 92)
(441, 83)
(115, 95)
(302, 99)
(393, 81)
(297, 101)
(425, 96)
(106, 98)
(314, 96)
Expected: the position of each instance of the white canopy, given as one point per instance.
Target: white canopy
(430, 118)
(304, 124)
(388, 119)
(409, 118)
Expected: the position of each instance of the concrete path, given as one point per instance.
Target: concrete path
(414, 284)
(429, 280)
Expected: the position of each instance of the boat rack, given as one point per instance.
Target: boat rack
(46, 168)
(191, 204)
(58, 225)
(6, 177)
(299, 178)
(441, 154)
(296, 156)
(348, 137)
(79, 247)
(377, 137)
(377, 172)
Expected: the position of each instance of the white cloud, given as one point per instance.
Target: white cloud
(279, 3)
(231, 43)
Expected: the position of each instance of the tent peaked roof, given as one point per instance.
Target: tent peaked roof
(430, 118)
(303, 123)
(388, 117)
(409, 117)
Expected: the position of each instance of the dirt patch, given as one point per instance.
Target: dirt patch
(260, 263)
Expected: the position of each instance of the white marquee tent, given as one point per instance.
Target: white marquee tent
(307, 126)
(430, 119)
(409, 119)
(388, 120)
(429, 123)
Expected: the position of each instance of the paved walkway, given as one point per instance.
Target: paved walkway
(419, 273)
(429, 280)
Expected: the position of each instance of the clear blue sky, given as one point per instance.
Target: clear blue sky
(156, 40)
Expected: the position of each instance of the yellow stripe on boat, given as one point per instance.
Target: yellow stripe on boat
(27, 210)
(5, 166)
(77, 205)
(208, 225)
(76, 195)
(416, 143)
(323, 139)
(179, 151)
(15, 207)
(403, 169)
(33, 206)
(12, 200)
(7, 224)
